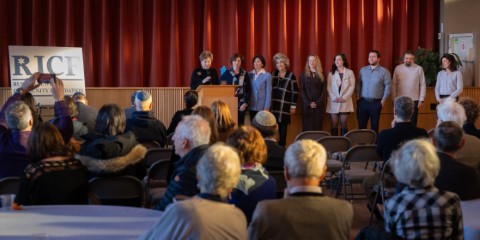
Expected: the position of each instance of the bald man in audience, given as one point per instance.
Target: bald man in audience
(191, 139)
(86, 114)
(144, 124)
(469, 154)
(454, 176)
(305, 213)
(208, 215)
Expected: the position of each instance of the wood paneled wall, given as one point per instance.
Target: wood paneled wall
(169, 100)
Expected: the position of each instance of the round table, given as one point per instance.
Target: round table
(76, 222)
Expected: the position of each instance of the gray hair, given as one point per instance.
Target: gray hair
(195, 129)
(281, 57)
(18, 116)
(416, 163)
(218, 170)
(450, 110)
(305, 159)
(404, 107)
(448, 136)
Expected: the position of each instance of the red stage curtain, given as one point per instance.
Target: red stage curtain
(154, 43)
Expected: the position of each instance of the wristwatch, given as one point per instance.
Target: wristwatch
(19, 90)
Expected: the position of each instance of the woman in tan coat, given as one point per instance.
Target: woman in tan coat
(340, 87)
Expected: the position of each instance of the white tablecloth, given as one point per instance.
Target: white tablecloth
(471, 219)
(76, 222)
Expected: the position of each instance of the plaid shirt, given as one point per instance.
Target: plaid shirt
(284, 95)
(424, 213)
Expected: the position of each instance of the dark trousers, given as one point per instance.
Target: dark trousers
(415, 114)
(241, 117)
(252, 115)
(282, 132)
(368, 110)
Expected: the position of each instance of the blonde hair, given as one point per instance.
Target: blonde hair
(319, 68)
(222, 116)
(205, 54)
(281, 57)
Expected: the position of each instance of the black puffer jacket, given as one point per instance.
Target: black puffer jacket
(113, 155)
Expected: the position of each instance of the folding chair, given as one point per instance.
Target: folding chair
(155, 154)
(335, 147)
(380, 192)
(314, 135)
(9, 185)
(120, 191)
(169, 141)
(281, 183)
(155, 183)
(151, 144)
(360, 153)
(361, 136)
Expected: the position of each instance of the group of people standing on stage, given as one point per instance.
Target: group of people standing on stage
(277, 92)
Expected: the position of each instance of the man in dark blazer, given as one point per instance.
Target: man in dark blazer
(305, 213)
(86, 114)
(391, 139)
(454, 176)
(144, 124)
(266, 124)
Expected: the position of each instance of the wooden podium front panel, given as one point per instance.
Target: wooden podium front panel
(207, 94)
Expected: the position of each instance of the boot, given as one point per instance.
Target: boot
(344, 131)
(334, 131)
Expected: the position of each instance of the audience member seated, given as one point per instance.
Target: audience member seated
(223, 118)
(190, 99)
(454, 176)
(420, 210)
(144, 124)
(255, 184)
(28, 99)
(450, 110)
(207, 114)
(16, 123)
(133, 108)
(208, 215)
(304, 213)
(86, 114)
(53, 177)
(265, 123)
(79, 128)
(190, 141)
(472, 111)
(391, 139)
(109, 151)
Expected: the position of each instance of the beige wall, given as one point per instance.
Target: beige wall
(463, 16)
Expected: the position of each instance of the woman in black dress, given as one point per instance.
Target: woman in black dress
(313, 92)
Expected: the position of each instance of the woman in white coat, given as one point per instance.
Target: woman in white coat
(340, 87)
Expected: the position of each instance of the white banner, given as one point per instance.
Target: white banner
(65, 62)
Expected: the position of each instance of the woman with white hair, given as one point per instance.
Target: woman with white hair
(206, 216)
(420, 210)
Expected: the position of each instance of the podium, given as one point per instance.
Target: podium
(207, 94)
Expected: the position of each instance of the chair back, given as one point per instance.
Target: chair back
(313, 135)
(9, 185)
(335, 143)
(362, 153)
(155, 154)
(361, 136)
(281, 183)
(169, 140)
(151, 144)
(121, 191)
(159, 170)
